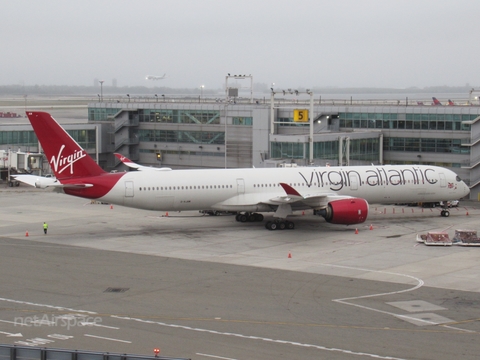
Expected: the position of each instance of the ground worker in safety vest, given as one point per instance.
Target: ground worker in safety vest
(45, 228)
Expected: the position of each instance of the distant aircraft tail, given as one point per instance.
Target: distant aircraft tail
(435, 101)
(66, 158)
(451, 103)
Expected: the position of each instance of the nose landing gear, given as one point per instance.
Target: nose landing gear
(445, 212)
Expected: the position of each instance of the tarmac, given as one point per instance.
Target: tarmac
(108, 278)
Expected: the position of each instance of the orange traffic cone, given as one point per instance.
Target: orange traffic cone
(356, 231)
(166, 214)
(303, 212)
(111, 206)
(26, 233)
(289, 255)
(467, 213)
(371, 227)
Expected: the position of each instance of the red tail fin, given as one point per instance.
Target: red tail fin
(67, 159)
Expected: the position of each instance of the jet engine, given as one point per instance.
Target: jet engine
(345, 211)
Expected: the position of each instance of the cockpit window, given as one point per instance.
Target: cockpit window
(458, 178)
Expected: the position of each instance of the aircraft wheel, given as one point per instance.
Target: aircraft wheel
(243, 218)
(237, 217)
(267, 225)
(258, 217)
(251, 217)
(446, 213)
(290, 225)
(272, 226)
(281, 225)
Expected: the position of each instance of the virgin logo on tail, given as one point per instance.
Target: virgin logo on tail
(61, 162)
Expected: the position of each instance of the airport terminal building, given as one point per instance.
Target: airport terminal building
(208, 133)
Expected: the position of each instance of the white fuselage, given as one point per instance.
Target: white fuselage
(252, 189)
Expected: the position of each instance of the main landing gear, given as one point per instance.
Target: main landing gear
(249, 217)
(277, 224)
(280, 224)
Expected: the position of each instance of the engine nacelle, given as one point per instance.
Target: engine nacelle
(345, 211)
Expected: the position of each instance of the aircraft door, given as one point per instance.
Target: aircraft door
(128, 188)
(353, 181)
(240, 186)
(443, 180)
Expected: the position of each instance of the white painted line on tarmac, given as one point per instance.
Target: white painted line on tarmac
(419, 281)
(60, 308)
(214, 356)
(283, 342)
(10, 334)
(98, 325)
(105, 338)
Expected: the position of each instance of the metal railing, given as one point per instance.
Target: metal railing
(14, 352)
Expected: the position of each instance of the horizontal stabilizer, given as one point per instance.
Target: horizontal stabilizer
(42, 182)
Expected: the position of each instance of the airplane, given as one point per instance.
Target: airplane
(339, 194)
(154, 77)
(451, 103)
(436, 102)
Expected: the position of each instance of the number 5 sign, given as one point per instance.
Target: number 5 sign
(300, 115)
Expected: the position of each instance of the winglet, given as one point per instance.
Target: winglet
(289, 190)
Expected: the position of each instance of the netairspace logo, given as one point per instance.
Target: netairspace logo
(66, 321)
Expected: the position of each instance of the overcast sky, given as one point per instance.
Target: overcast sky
(292, 43)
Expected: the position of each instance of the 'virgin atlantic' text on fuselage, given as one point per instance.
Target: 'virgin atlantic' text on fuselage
(338, 179)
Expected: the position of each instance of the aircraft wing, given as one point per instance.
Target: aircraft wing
(317, 200)
(42, 182)
(292, 197)
(136, 166)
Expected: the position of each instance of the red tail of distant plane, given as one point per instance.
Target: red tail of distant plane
(451, 103)
(435, 101)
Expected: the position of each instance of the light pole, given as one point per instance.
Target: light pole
(201, 91)
(225, 136)
(128, 95)
(156, 97)
(101, 89)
